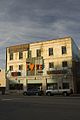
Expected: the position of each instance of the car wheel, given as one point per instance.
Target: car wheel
(37, 94)
(25, 93)
(65, 94)
(48, 94)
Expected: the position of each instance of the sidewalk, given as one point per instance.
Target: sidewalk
(76, 95)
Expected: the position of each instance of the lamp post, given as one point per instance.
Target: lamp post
(46, 83)
(19, 86)
(7, 76)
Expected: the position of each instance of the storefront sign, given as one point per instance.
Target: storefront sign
(31, 67)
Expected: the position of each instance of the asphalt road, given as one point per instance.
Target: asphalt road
(39, 108)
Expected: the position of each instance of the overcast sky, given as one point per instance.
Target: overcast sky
(24, 21)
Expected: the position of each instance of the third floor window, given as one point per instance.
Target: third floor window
(64, 50)
(20, 55)
(29, 54)
(38, 52)
(50, 51)
(11, 56)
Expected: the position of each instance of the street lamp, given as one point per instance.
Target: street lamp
(19, 86)
(46, 83)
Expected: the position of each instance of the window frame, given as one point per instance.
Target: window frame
(20, 55)
(11, 56)
(21, 67)
(38, 53)
(51, 64)
(65, 85)
(64, 50)
(64, 64)
(29, 54)
(11, 67)
(50, 51)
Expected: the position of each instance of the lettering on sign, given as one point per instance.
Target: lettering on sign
(32, 67)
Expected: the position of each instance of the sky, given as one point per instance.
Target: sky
(24, 21)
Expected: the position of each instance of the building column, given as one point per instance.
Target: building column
(24, 84)
(44, 84)
(7, 84)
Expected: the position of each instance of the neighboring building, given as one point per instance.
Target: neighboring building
(44, 64)
(2, 81)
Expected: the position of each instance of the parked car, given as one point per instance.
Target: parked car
(33, 92)
(64, 92)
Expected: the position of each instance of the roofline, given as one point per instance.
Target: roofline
(40, 41)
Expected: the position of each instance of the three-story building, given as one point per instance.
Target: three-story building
(44, 64)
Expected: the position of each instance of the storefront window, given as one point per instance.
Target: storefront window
(65, 85)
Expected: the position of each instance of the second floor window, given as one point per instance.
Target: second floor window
(38, 52)
(51, 65)
(64, 51)
(11, 56)
(64, 64)
(11, 68)
(20, 55)
(50, 51)
(15, 74)
(20, 67)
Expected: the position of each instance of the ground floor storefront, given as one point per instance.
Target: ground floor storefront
(42, 82)
(2, 90)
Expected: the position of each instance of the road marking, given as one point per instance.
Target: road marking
(6, 99)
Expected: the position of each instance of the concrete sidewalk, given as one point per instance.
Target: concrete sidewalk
(75, 95)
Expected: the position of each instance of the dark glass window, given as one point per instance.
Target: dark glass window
(50, 51)
(64, 64)
(29, 54)
(11, 56)
(38, 52)
(14, 86)
(51, 65)
(55, 86)
(20, 55)
(28, 67)
(64, 51)
(11, 68)
(20, 67)
(65, 85)
(16, 74)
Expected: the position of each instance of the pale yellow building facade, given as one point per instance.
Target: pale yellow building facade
(45, 64)
(2, 80)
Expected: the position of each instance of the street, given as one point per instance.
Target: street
(39, 107)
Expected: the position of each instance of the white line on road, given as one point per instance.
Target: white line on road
(6, 99)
